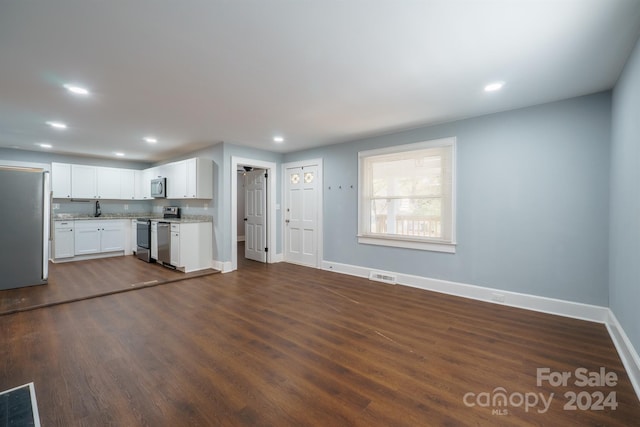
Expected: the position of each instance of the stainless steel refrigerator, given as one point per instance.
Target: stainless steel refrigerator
(24, 227)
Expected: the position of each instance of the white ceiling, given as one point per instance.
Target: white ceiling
(197, 72)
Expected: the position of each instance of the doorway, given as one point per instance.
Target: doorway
(252, 196)
(262, 243)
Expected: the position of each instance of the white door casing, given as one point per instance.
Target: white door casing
(302, 213)
(255, 221)
(272, 210)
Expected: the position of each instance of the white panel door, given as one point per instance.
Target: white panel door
(255, 223)
(301, 215)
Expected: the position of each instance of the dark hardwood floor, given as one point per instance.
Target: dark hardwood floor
(71, 281)
(284, 345)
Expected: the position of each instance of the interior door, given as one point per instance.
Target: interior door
(255, 224)
(301, 215)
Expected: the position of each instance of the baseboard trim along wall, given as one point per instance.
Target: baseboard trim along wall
(626, 351)
(575, 310)
(222, 266)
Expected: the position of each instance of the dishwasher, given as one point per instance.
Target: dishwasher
(164, 243)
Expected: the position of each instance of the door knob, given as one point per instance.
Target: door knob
(287, 221)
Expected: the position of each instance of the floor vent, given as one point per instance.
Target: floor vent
(18, 407)
(378, 276)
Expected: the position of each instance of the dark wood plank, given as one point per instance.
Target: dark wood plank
(76, 280)
(284, 345)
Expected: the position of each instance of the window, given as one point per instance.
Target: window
(407, 196)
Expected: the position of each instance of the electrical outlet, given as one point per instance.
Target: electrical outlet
(497, 297)
(206, 206)
(126, 207)
(56, 206)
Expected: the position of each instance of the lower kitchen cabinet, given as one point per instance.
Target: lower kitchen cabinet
(190, 242)
(175, 245)
(112, 236)
(64, 240)
(191, 246)
(94, 236)
(154, 239)
(87, 237)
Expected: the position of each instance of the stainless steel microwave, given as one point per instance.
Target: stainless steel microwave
(159, 187)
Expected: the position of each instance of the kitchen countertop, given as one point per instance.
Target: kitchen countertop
(154, 217)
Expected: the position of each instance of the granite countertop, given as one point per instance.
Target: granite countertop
(154, 217)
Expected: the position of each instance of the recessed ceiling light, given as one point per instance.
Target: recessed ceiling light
(119, 154)
(77, 90)
(43, 145)
(150, 139)
(492, 87)
(278, 139)
(57, 125)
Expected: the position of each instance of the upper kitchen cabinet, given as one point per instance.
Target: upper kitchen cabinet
(190, 179)
(83, 182)
(127, 184)
(108, 183)
(186, 179)
(92, 182)
(142, 181)
(61, 180)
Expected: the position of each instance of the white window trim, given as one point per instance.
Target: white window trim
(406, 241)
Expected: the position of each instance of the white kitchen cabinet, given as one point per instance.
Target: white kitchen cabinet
(154, 239)
(199, 178)
(193, 182)
(93, 236)
(108, 183)
(175, 245)
(127, 184)
(142, 186)
(83, 182)
(61, 180)
(190, 179)
(191, 246)
(87, 237)
(63, 240)
(112, 236)
(133, 239)
(176, 180)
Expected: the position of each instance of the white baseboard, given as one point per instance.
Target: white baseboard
(628, 354)
(240, 238)
(88, 257)
(565, 308)
(576, 310)
(222, 266)
(277, 258)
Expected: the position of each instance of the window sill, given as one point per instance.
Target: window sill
(449, 248)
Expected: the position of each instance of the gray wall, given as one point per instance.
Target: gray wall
(624, 277)
(532, 212)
